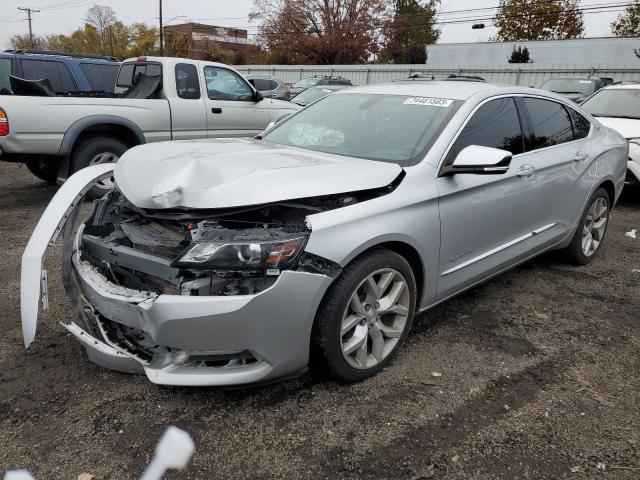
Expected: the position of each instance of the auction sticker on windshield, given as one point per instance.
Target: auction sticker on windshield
(429, 101)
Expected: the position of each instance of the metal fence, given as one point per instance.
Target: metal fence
(532, 75)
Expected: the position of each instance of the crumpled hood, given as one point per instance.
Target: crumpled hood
(224, 173)
(627, 127)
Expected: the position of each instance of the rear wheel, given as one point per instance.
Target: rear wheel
(590, 233)
(365, 317)
(95, 151)
(47, 171)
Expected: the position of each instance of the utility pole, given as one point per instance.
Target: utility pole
(29, 12)
(161, 32)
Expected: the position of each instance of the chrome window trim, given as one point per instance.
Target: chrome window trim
(513, 95)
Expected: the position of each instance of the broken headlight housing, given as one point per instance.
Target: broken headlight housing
(254, 254)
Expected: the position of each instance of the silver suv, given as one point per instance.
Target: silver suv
(237, 261)
(269, 86)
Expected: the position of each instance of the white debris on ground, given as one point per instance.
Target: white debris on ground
(436, 374)
(631, 234)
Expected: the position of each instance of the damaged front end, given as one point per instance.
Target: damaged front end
(198, 296)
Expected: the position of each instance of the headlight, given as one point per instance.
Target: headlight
(246, 254)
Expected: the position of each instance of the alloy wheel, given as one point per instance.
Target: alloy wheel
(594, 226)
(375, 318)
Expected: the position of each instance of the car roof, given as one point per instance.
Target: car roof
(458, 90)
(623, 86)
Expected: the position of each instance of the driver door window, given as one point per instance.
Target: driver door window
(223, 84)
(231, 108)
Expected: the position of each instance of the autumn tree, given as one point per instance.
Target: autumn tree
(520, 20)
(628, 24)
(319, 31)
(411, 28)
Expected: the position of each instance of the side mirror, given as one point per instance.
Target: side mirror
(257, 96)
(480, 160)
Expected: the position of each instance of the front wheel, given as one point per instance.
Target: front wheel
(591, 230)
(365, 316)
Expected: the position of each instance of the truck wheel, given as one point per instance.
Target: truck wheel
(95, 151)
(47, 171)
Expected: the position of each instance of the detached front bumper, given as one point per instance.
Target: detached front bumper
(273, 326)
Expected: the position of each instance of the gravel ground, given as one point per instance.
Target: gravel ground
(535, 374)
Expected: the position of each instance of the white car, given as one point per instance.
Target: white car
(618, 107)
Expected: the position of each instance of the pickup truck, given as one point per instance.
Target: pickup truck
(156, 99)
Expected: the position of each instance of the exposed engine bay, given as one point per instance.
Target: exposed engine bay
(193, 252)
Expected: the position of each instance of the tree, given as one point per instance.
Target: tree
(628, 24)
(320, 31)
(102, 17)
(520, 55)
(520, 20)
(411, 28)
(19, 42)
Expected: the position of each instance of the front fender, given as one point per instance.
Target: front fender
(60, 208)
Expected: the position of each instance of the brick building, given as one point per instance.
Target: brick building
(232, 42)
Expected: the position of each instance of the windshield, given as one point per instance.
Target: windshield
(390, 128)
(614, 103)
(310, 95)
(570, 85)
(306, 83)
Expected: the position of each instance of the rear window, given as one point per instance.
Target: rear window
(130, 71)
(261, 84)
(5, 71)
(101, 77)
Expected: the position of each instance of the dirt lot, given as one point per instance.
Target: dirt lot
(540, 378)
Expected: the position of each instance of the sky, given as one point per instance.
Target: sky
(64, 16)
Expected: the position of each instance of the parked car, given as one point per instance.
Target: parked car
(67, 72)
(618, 107)
(269, 86)
(576, 89)
(158, 99)
(318, 81)
(312, 94)
(240, 261)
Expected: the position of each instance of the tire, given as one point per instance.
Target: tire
(588, 237)
(47, 171)
(94, 151)
(330, 344)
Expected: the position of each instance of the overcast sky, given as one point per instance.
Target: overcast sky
(63, 16)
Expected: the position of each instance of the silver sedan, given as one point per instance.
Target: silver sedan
(241, 261)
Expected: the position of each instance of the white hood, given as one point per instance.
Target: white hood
(627, 127)
(226, 173)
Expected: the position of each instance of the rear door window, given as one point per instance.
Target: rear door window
(273, 84)
(495, 124)
(187, 83)
(550, 123)
(581, 126)
(101, 76)
(40, 69)
(5, 71)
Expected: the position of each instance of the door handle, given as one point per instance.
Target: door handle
(526, 171)
(580, 157)
(216, 110)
